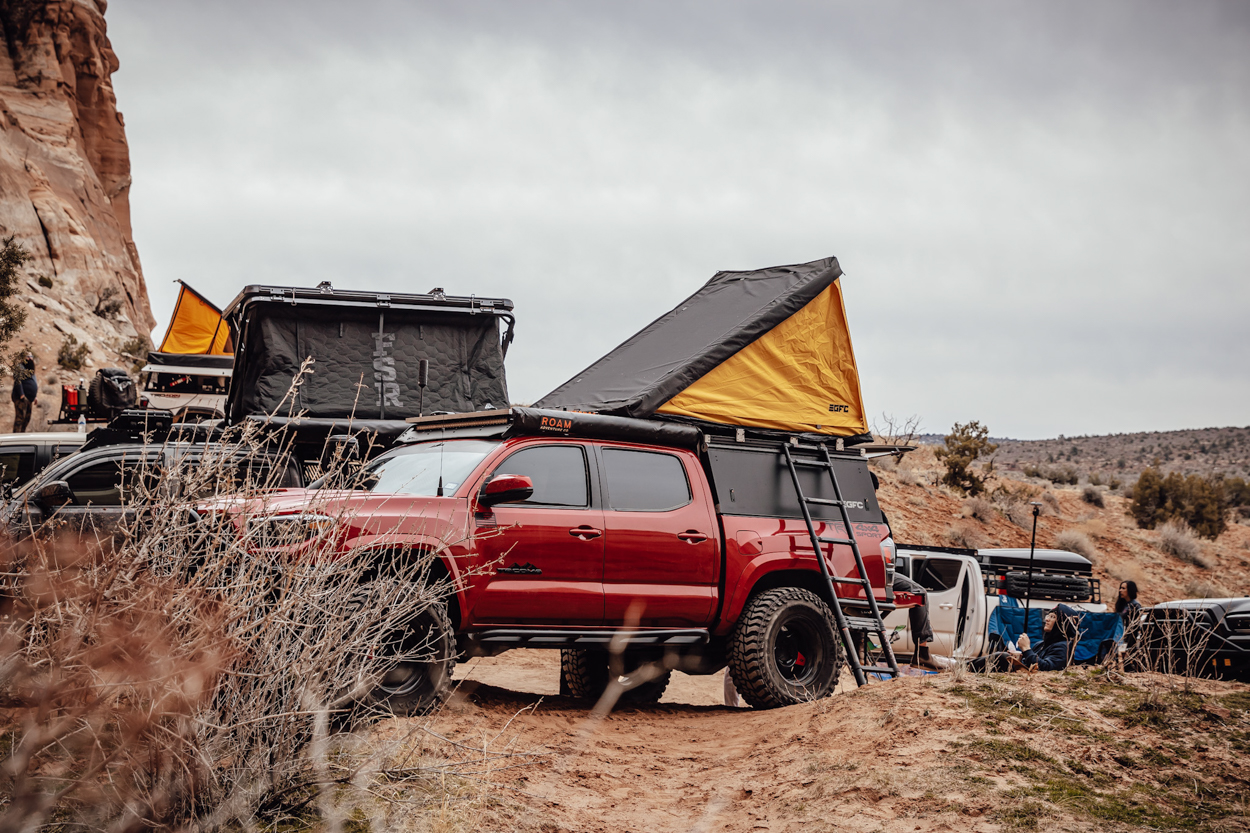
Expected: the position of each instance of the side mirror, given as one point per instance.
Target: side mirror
(341, 449)
(54, 495)
(506, 488)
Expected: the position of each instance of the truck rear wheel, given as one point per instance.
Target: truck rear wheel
(785, 649)
(584, 674)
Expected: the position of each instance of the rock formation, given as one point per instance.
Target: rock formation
(65, 191)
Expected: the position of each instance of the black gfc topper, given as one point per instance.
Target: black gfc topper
(366, 349)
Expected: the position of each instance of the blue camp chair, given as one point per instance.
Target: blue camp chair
(1097, 633)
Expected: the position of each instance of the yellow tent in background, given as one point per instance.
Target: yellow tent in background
(196, 327)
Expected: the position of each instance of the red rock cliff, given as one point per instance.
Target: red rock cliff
(65, 188)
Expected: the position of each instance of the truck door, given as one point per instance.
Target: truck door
(661, 552)
(546, 562)
(956, 603)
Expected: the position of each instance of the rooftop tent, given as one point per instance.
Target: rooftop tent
(366, 349)
(767, 349)
(189, 363)
(196, 326)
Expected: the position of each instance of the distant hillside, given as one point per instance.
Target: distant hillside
(1195, 451)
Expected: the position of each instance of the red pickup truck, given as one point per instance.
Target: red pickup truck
(574, 531)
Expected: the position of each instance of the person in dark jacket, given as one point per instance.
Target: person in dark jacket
(1057, 629)
(25, 389)
(1126, 603)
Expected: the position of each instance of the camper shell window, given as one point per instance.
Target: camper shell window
(755, 480)
(186, 383)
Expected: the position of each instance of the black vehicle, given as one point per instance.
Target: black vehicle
(1203, 637)
(95, 487)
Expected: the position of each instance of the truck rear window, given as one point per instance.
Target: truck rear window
(756, 481)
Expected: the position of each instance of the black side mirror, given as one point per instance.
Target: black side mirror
(506, 488)
(54, 495)
(339, 448)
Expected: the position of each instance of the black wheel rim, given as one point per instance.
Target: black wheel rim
(405, 678)
(798, 652)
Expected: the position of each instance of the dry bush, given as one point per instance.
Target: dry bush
(979, 509)
(1177, 539)
(175, 673)
(1204, 589)
(1093, 496)
(1129, 571)
(908, 476)
(964, 535)
(1020, 514)
(1051, 502)
(1096, 527)
(1077, 542)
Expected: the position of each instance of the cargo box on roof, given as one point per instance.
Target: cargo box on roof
(366, 348)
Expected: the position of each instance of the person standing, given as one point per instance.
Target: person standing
(25, 390)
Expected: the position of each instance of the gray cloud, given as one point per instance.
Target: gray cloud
(1040, 208)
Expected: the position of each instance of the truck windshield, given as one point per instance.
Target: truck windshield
(417, 469)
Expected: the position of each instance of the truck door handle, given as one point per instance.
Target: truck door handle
(947, 606)
(585, 532)
(692, 536)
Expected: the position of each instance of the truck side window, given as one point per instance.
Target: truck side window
(645, 481)
(17, 465)
(937, 573)
(558, 472)
(102, 484)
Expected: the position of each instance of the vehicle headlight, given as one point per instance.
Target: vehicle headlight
(285, 530)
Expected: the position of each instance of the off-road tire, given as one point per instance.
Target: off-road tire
(414, 687)
(785, 649)
(584, 675)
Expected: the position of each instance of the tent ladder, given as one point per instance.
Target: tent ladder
(872, 623)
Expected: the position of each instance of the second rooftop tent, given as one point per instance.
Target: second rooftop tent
(766, 349)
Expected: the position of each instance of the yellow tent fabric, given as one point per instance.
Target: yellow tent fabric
(799, 376)
(196, 327)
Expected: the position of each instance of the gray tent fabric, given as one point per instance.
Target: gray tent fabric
(729, 312)
(365, 357)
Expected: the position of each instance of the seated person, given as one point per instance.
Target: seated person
(1052, 656)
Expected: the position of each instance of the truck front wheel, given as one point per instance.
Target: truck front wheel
(420, 681)
(585, 674)
(784, 649)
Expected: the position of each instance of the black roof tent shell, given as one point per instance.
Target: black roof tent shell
(210, 364)
(276, 327)
(728, 313)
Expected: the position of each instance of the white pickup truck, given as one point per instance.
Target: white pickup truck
(964, 586)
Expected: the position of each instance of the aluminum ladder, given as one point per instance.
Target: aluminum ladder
(872, 623)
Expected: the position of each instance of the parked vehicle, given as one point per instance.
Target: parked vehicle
(572, 531)
(966, 585)
(192, 387)
(95, 487)
(22, 456)
(1203, 637)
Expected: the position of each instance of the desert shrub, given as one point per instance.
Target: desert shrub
(170, 678)
(1077, 542)
(1199, 502)
(1095, 479)
(964, 445)
(1051, 502)
(1237, 490)
(136, 350)
(1203, 589)
(12, 312)
(1130, 571)
(72, 355)
(45, 281)
(964, 535)
(908, 476)
(1178, 540)
(108, 305)
(1093, 496)
(979, 508)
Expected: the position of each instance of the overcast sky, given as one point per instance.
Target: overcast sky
(1042, 209)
